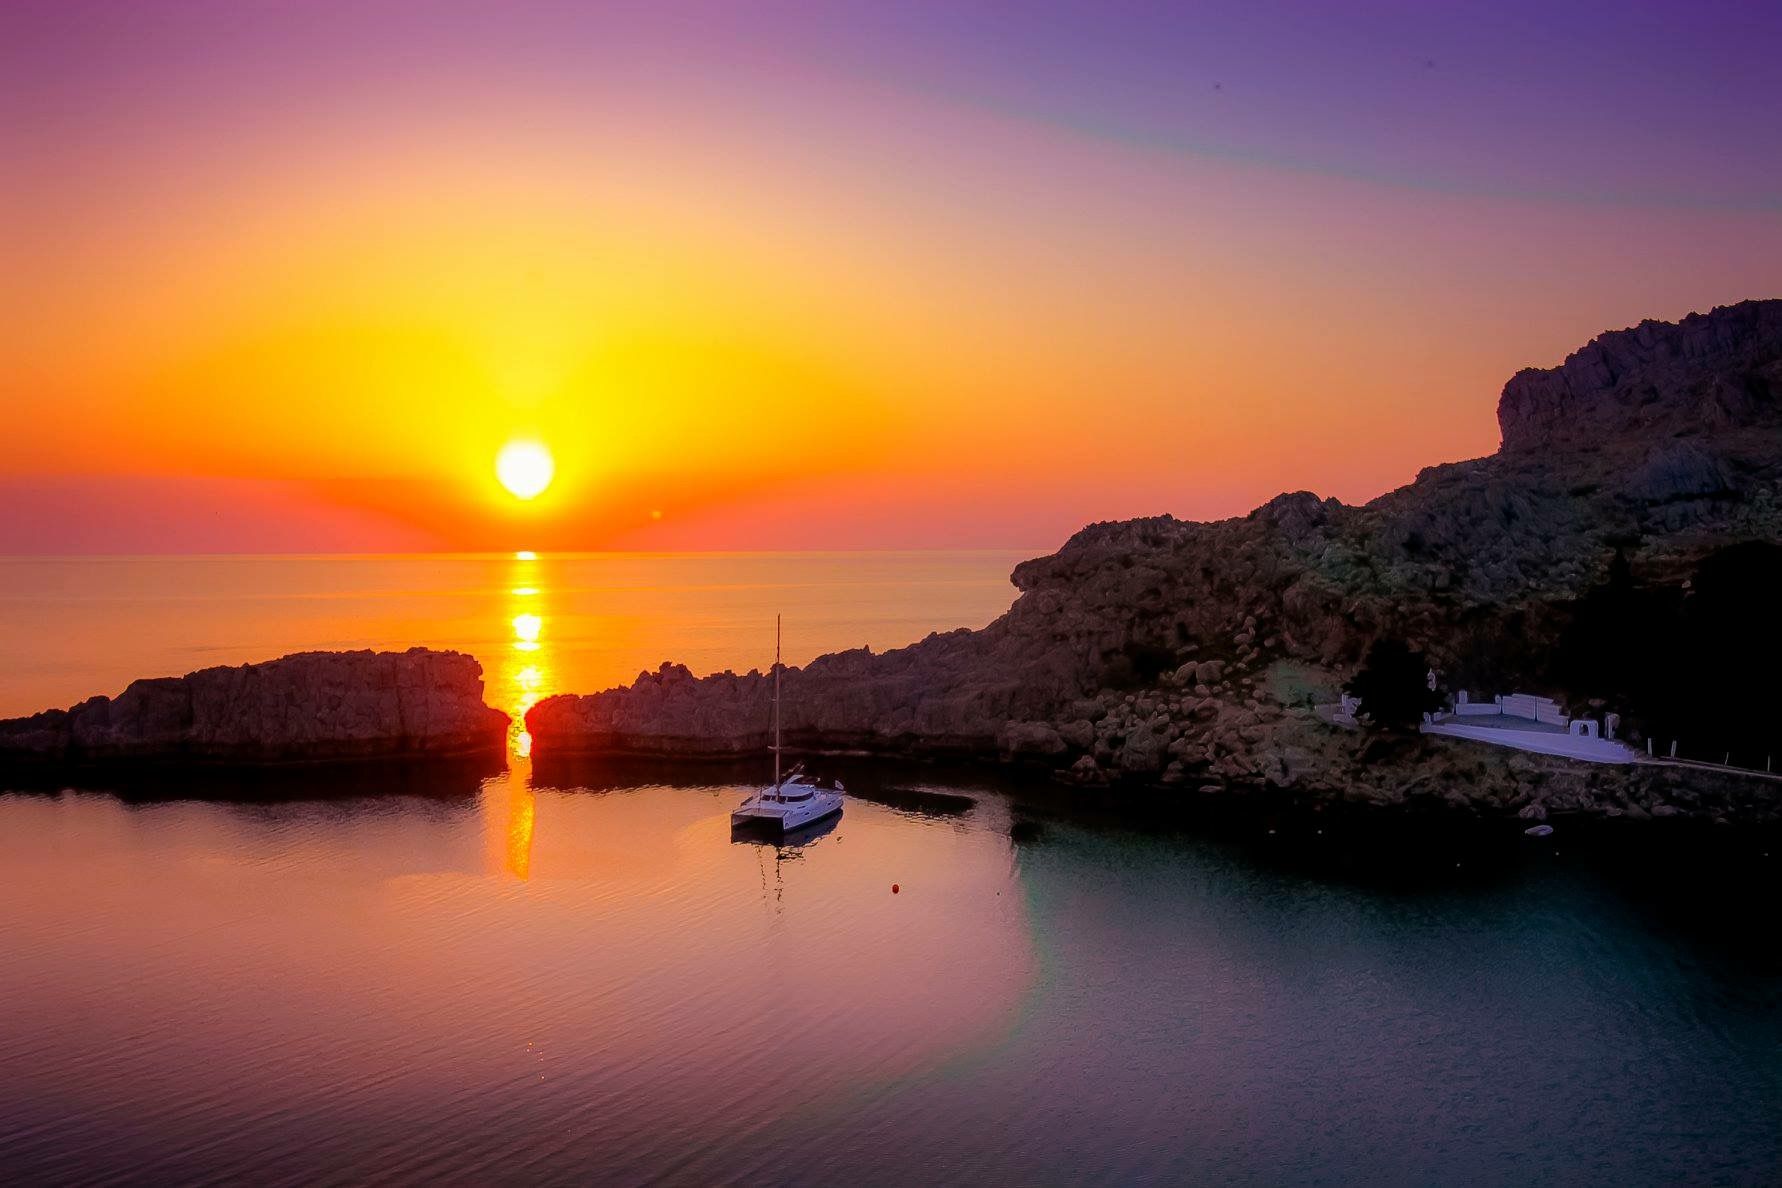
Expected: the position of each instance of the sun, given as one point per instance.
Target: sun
(525, 468)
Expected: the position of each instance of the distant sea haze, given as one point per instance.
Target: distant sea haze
(73, 627)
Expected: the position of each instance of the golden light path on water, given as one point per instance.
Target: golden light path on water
(525, 678)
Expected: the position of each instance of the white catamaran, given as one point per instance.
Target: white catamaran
(794, 800)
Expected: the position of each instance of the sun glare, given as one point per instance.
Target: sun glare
(525, 468)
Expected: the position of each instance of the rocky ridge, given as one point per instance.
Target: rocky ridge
(304, 707)
(1188, 654)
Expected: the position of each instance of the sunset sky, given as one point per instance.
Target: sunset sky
(287, 276)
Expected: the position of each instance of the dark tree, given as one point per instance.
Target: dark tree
(1698, 663)
(1393, 686)
(1724, 695)
(1622, 643)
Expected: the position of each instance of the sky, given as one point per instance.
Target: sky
(287, 276)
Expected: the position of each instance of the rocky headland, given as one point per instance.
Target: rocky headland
(307, 707)
(1190, 655)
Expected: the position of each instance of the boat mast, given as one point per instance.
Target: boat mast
(776, 706)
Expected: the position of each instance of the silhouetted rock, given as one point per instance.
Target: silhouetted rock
(303, 707)
(1707, 373)
(1161, 650)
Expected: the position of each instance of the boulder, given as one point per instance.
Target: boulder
(1142, 754)
(1031, 738)
(1079, 734)
(1087, 771)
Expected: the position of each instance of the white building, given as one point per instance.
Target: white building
(1530, 723)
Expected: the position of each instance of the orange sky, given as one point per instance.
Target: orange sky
(288, 296)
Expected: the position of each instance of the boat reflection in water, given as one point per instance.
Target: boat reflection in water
(788, 847)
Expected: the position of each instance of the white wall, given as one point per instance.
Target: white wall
(1527, 705)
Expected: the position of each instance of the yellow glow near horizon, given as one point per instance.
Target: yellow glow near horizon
(525, 468)
(345, 323)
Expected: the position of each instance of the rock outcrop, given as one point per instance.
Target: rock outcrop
(1706, 373)
(311, 706)
(1190, 654)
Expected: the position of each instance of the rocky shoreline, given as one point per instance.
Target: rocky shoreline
(310, 707)
(1264, 749)
(1158, 652)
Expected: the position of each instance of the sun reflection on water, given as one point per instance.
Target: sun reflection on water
(526, 676)
(530, 682)
(522, 806)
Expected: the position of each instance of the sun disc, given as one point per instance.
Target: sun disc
(525, 468)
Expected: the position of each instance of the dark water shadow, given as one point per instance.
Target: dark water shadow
(1411, 849)
(870, 779)
(593, 773)
(888, 783)
(1702, 889)
(433, 778)
(915, 801)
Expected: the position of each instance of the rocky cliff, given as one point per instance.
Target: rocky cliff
(1184, 653)
(1707, 373)
(305, 707)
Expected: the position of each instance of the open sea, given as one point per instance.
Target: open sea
(573, 974)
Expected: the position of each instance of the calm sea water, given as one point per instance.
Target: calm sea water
(574, 975)
(71, 627)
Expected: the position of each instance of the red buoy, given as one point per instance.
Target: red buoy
(894, 888)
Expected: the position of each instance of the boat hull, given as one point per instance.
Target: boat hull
(787, 818)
